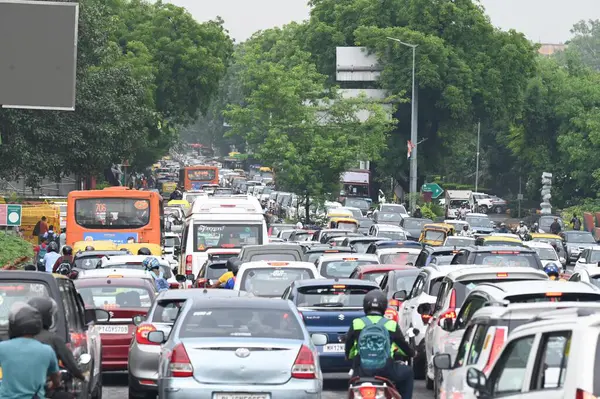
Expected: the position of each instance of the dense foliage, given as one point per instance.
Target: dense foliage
(143, 71)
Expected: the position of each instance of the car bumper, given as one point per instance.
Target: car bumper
(114, 357)
(143, 366)
(189, 388)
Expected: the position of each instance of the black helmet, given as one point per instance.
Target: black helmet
(23, 319)
(53, 247)
(90, 248)
(144, 251)
(67, 250)
(233, 265)
(47, 308)
(375, 302)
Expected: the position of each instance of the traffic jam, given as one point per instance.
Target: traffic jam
(210, 293)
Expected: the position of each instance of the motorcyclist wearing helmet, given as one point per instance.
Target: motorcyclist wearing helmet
(465, 231)
(48, 309)
(535, 228)
(51, 256)
(26, 363)
(227, 280)
(375, 305)
(522, 231)
(67, 257)
(552, 270)
(144, 251)
(152, 265)
(503, 228)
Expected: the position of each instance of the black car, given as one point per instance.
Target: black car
(272, 252)
(414, 226)
(430, 255)
(360, 244)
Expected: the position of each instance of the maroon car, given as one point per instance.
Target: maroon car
(372, 272)
(123, 298)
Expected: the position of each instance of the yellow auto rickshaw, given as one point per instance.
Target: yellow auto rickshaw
(183, 204)
(343, 223)
(339, 213)
(169, 186)
(155, 249)
(434, 234)
(100, 245)
(499, 240)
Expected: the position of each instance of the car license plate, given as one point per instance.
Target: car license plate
(334, 348)
(241, 396)
(108, 329)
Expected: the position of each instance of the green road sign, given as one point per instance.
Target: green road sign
(13, 215)
(432, 188)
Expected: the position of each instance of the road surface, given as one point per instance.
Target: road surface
(115, 387)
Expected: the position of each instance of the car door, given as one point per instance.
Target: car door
(550, 368)
(508, 378)
(411, 301)
(432, 332)
(471, 305)
(453, 379)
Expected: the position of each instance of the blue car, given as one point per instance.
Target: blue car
(328, 307)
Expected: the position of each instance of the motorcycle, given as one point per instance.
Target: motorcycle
(376, 387)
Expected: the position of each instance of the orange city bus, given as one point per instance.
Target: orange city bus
(194, 177)
(117, 214)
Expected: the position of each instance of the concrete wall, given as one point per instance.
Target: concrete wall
(48, 187)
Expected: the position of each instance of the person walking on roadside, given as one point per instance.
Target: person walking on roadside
(41, 228)
(576, 222)
(555, 227)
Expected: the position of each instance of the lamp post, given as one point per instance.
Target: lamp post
(413, 125)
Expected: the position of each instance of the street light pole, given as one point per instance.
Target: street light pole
(477, 167)
(413, 125)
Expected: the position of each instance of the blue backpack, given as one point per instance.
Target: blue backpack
(42, 253)
(374, 346)
(161, 284)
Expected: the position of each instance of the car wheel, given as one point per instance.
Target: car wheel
(483, 209)
(420, 362)
(499, 210)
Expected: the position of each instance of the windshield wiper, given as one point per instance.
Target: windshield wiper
(329, 305)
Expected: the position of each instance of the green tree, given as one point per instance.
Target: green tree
(308, 134)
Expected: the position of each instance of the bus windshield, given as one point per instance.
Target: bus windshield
(115, 213)
(208, 236)
(201, 174)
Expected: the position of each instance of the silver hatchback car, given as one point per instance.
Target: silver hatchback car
(236, 348)
(144, 354)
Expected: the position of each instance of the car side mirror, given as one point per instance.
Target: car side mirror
(400, 295)
(180, 278)
(138, 319)
(447, 324)
(442, 361)
(158, 337)
(425, 309)
(96, 316)
(319, 339)
(476, 380)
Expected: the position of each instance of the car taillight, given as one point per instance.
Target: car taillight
(496, 347)
(180, 365)
(174, 285)
(188, 264)
(394, 304)
(581, 394)
(304, 366)
(426, 318)
(368, 392)
(78, 339)
(201, 283)
(141, 334)
(451, 312)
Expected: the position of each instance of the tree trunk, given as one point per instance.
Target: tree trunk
(307, 209)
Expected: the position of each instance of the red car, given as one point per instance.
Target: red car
(381, 274)
(123, 298)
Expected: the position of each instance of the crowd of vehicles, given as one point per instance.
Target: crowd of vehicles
(479, 308)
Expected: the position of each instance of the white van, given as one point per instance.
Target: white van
(217, 223)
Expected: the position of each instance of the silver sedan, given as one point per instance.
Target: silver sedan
(234, 348)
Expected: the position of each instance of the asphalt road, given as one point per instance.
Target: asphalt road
(115, 387)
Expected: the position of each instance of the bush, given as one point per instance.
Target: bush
(13, 249)
(591, 205)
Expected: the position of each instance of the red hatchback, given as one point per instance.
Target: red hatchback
(123, 298)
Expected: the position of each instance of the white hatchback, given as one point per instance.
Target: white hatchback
(341, 265)
(270, 279)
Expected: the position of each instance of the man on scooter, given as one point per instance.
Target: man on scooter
(372, 341)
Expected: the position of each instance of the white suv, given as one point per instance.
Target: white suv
(455, 287)
(422, 295)
(554, 358)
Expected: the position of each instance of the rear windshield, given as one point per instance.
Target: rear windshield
(562, 297)
(12, 292)
(441, 260)
(388, 217)
(337, 296)
(167, 273)
(342, 268)
(583, 237)
(215, 271)
(172, 242)
(271, 282)
(285, 234)
(405, 282)
(459, 242)
(463, 288)
(393, 208)
(274, 257)
(167, 310)
(392, 235)
(299, 237)
(435, 235)
(115, 296)
(374, 276)
(240, 322)
(361, 246)
(506, 258)
(399, 259)
(313, 256)
(546, 253)
(410, 224)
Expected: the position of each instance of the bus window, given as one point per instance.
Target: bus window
(99, 213)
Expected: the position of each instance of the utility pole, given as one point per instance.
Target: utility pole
(413, 125)
(477, 167)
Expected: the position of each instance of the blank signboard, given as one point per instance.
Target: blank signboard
(38, 54)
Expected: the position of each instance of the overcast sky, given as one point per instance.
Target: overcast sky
(546, 21)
